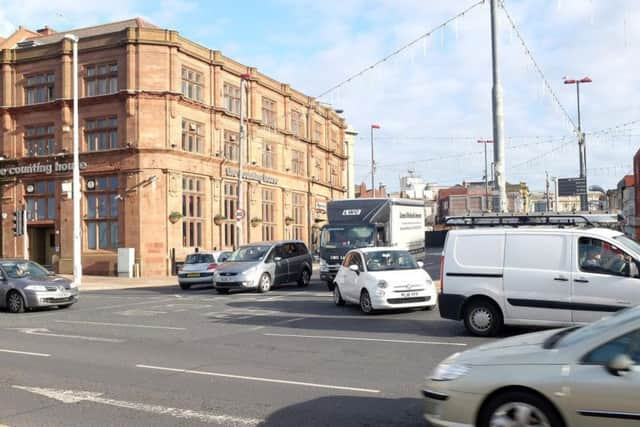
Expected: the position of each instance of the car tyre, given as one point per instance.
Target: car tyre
(365, 302)
(519, 408)
(264, 285)
(305, 278)
(337, 296)
(483, 318)
(15, 302)
(331, 285)
(222, 291)
(185, 286)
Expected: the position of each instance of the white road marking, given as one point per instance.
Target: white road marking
(138, 312)
(328, 337)
(71, 396)
(45, 332)
(282, 322)
(150, 301)
(265, 380)
(26, 353)
(124, 325)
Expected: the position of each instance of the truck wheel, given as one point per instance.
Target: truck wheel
(483, 318)
(337, 296)
(331, 284)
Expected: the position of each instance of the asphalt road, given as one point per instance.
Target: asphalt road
(166, 357)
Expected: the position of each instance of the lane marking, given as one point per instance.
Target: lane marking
(26, 353)
(45, 332)
(108, 307)
(259, 379)
(328, 337)
(124, 325)
(282, 322)
(140, 313)
(71, 396)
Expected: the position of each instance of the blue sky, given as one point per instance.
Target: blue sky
(433, 100)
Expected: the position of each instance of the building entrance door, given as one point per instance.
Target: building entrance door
(42, 244)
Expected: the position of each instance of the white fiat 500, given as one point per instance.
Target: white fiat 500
(383, 278)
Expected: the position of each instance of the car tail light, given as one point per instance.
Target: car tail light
(442, 274)
(212, 266)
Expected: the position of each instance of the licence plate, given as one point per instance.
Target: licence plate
(193, 275)
(408, 294)
(223, 279)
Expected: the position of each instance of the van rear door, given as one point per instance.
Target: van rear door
(537, 280)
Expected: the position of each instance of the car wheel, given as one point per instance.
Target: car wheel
(265, 283)
(483, 318)
(15, 302)
(337, 296)
(365, 302)
(222, 291)
(185, 286)
(331, 284)
(63, 306)
(519, 409)
(305, 278)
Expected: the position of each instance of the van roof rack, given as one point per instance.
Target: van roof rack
(553, 219)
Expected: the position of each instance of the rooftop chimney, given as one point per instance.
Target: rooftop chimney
(46, 31)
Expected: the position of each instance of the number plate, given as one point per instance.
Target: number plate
(193, 275)
(223, 279)
(409, 294)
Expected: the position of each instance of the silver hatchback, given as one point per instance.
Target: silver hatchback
(26, 284)
(260, 266)
(199, 267)
(580, 376)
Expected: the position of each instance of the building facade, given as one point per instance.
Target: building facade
(159, 149)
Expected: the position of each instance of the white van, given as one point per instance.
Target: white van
(541, 276)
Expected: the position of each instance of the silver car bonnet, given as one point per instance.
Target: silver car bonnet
(236, 267)
(41, 280)
(519, 350)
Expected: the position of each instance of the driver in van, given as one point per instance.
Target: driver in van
(593, 259)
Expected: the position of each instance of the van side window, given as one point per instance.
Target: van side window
(598, 256)
(628, 344)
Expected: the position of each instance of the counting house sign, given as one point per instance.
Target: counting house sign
(40, 168)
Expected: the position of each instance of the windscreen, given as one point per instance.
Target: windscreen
(390, 260)
(357, 236)
(199, 259)
(23, 269)
(249, 253)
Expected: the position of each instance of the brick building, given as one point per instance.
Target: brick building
(159, 119)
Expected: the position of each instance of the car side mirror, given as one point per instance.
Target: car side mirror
(420, 264)
(620, 365)
(354, 268)
(277, 258)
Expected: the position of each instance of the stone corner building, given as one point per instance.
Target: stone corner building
(159, 119)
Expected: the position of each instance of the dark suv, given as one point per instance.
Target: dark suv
(263, 265)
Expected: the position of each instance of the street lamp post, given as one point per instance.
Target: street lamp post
(77, 241)
(373, 163)
(581, 140)
(240, 218)
(486, 175)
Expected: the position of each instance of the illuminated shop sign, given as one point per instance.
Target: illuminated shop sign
(39, 168)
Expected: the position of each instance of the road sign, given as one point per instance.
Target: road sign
(572, 186)
(239, 214)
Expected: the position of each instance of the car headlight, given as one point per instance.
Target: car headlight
(449, 371)
(251, 272)
(36, 288)
(382, 284)
(73, 285)
(323, 265)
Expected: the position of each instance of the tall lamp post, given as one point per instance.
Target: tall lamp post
(373, 163)
(581, 141)
(486, 175)
(240, 213)
(77, 237)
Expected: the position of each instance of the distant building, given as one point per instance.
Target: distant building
(363, 192)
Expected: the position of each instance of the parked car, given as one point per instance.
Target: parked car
(263, 265)
(383, 278)
(536, 276)
(579, 376)
(198, 268)
(26, 284)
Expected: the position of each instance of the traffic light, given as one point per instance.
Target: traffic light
(18, 225)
